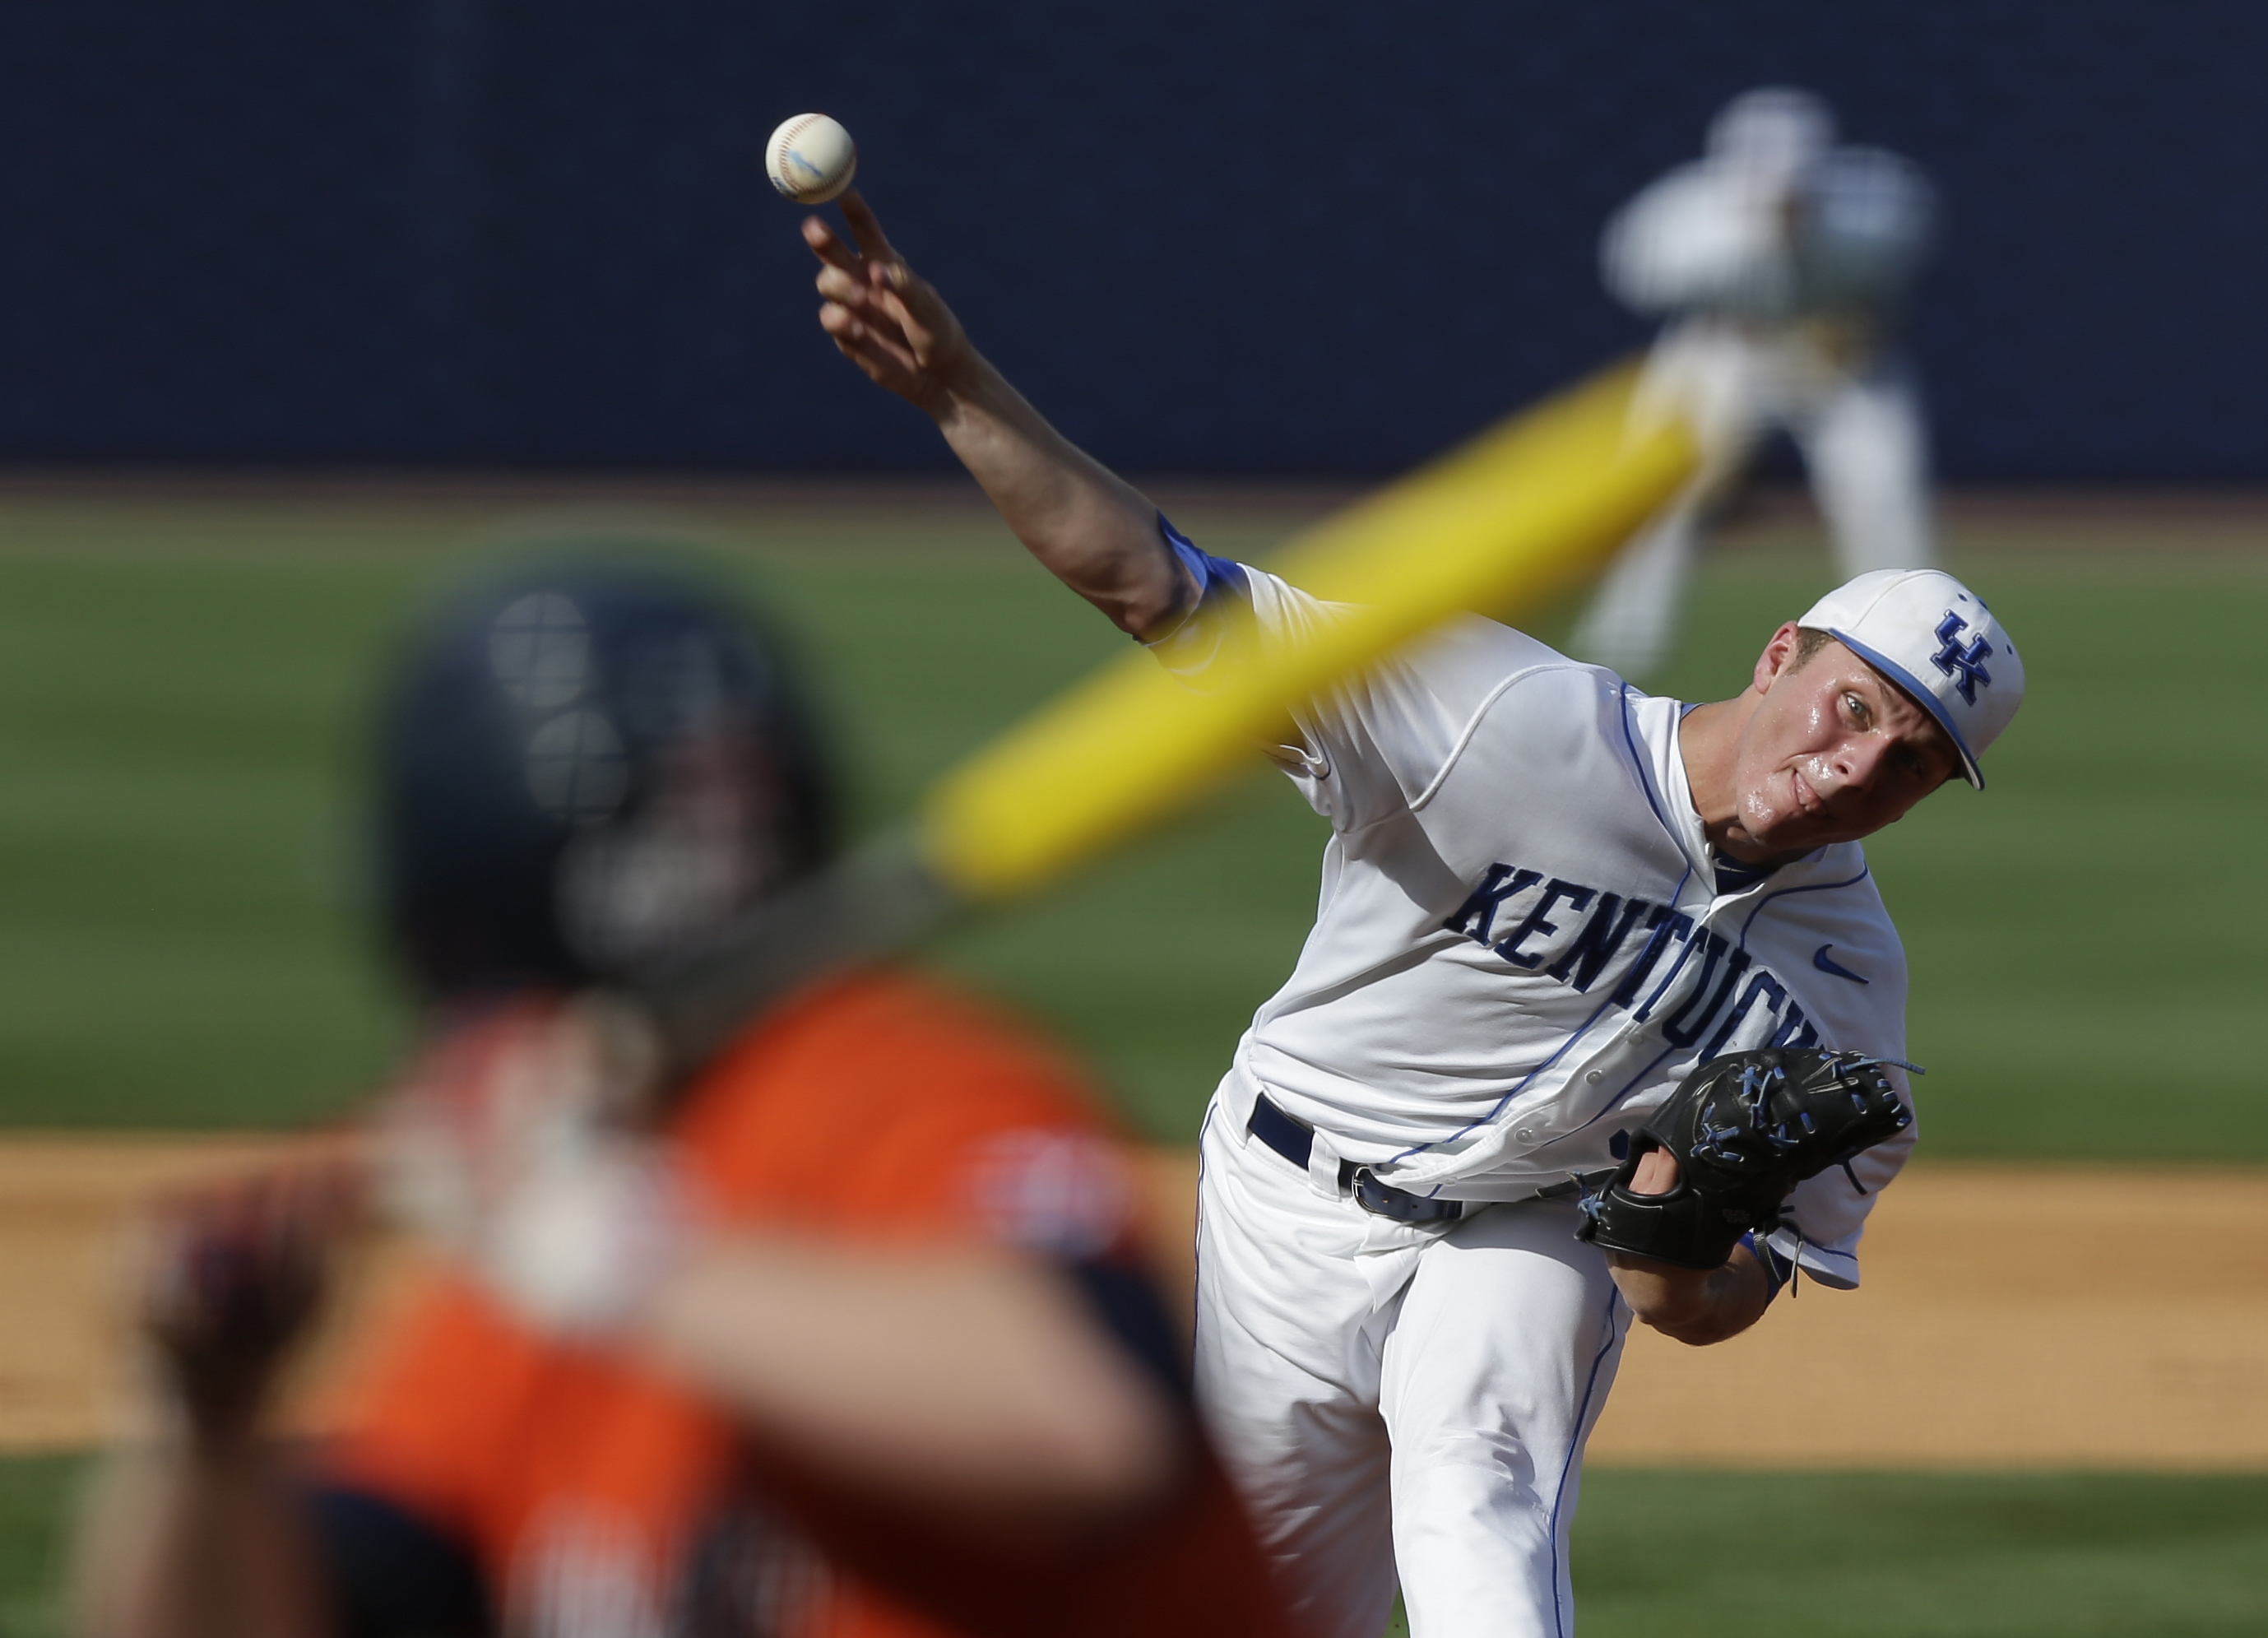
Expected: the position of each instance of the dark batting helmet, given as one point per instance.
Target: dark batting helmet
(586, 766)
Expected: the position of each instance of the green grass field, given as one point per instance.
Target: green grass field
(1710, 1555)
(182, 944)
(180, 938)
(1733, 1555)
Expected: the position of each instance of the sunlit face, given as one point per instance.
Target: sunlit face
(1833, 750)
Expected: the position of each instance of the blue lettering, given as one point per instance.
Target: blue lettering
(1761, 984)
(1595, 945)
(1795, 1030)
(1669, 924)
(1477, 914)
(1733, 968)
(1701, 997)
(1534, 924)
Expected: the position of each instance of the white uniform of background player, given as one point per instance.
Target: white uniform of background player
(1781, 261)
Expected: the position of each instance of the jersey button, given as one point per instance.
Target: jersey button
(1595, 1076)
(1526, 1134)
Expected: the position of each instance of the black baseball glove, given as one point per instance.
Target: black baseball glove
(1745, 1129)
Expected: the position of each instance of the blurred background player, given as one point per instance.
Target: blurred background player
(1780, 263)
(846, 1333)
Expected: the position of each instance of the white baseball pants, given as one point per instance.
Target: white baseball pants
(1391, 1398)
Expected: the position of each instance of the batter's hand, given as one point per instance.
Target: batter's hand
(234, 1275)
(884, 317)
(513, 1144)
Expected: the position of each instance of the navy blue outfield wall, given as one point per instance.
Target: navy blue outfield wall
(1230, 238)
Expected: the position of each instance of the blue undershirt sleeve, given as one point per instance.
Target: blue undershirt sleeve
(1214, 577)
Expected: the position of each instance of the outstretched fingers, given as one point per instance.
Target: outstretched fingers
(908, 298)
(845, 276)
(919, 310)
(828, 245)
(873, 265)
(846, 290)
(878, 311)
(866, 228)
(877, 348)
(853, 312)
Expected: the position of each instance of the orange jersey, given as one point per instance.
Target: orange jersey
(596, 1496)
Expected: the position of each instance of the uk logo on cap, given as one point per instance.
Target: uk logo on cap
(1935, 638)
(1964, 666)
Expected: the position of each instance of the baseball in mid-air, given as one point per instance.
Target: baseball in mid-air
(811, 159)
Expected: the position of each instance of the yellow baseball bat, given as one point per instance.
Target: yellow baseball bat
(1503, 524)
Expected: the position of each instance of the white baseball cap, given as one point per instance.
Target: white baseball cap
(1935, 638)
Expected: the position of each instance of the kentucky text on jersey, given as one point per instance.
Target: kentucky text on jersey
(1523, 940)
(1663, 964)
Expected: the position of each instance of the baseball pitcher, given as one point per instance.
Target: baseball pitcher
(1600, 1019)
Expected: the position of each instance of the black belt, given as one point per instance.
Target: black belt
(1296, 1143)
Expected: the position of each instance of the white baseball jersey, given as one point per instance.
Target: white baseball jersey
(1523, 942)
(1709, 237)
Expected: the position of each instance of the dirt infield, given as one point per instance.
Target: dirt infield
(2035, 1316)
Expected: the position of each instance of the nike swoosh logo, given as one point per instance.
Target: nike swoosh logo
(1820, 959)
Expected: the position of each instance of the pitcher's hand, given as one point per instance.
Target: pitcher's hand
(885, 318)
